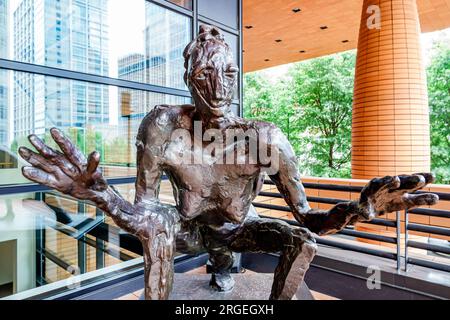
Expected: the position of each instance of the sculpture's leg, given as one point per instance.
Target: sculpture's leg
(159, 268)
(158, 229)
(221, 259)
(189, 240)
(296, 245)
(220, 256)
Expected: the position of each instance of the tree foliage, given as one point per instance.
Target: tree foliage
(312, 106)
(439, 101)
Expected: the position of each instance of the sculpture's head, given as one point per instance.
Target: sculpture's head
(211, 74)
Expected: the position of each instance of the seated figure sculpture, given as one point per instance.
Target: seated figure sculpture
(214, 211)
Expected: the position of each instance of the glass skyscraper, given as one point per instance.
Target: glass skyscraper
(166, 36)
(66, 34)
(4, 96)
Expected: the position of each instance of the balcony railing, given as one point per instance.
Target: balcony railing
(401, 242)
(404, 242)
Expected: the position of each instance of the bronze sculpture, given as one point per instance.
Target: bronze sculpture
(214, 196)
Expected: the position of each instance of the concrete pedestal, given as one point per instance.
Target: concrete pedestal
(247, 287)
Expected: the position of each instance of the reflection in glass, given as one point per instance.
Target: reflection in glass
(135, 39)
(183, 3)
(66, 34)
(166, 35)
(4, 96)
(48, 237)
(94, 116)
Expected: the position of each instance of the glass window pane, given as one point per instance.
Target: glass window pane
(94, 116)
(134, 40)
(223, 11)
(183, 3)
(59, 222)
(166, 36)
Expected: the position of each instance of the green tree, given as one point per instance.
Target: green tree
(258, 102)
(323, 90)
(313, 107)
(439, 101)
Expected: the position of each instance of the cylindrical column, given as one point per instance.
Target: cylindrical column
(390, 109)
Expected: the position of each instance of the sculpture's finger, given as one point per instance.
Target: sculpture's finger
(375, 185)
(417, 200)
(72, 153)
(429, 178)
(93, 162)
(36, 160)
(41, 147)
(412, 182)
(395, 183)
(40, 176)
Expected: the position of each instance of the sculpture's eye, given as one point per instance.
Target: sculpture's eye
(231, 71)
(201, 76)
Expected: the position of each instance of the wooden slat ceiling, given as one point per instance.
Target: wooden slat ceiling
(272, 20)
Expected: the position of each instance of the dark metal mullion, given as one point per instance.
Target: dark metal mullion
(40, 246)
(81, 243)
(86, 77)
(194, 18)
(99, 246)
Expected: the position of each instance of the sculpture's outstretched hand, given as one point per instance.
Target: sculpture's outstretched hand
(390, 194)
(68, 171)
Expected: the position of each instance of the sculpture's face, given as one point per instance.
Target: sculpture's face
(211, 74)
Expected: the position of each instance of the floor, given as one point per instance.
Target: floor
(6, 290)
(137, 294)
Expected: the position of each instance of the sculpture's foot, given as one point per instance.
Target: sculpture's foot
(222, 282)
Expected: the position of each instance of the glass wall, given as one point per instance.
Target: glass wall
(92, 68)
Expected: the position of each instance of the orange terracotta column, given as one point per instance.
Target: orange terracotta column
(390, 108)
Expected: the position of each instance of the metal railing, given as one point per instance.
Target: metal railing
(399, 251)
(402, 257)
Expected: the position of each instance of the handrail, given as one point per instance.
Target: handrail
(397, 225)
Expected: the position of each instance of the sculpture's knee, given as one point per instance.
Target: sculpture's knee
(305, 240)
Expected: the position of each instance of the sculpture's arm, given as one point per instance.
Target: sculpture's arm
(152, 136)
(71, 173)
(380, 196)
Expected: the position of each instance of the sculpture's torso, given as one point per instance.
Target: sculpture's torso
(213, 192)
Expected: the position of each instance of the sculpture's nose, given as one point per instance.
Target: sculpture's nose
(219, 93)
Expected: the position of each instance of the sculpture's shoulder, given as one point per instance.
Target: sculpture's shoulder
(167, 114)
(266, 131)
(162, 120)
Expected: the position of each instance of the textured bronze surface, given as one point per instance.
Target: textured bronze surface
(214, 211)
